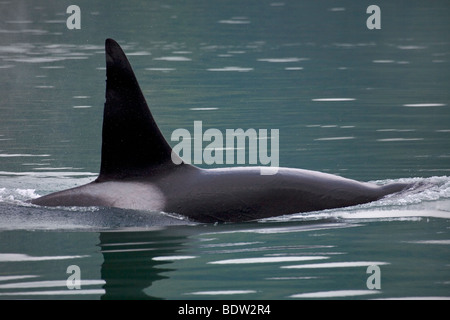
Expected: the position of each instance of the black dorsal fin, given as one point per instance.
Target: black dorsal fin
(132, 143)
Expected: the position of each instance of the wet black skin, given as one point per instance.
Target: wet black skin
(137, 171)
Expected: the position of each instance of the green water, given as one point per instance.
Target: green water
(364, 104)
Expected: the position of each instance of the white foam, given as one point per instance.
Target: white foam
(47, 174)
(396, 214)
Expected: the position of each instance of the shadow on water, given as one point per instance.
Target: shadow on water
(129, 264)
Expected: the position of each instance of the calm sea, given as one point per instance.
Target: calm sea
(372, 105)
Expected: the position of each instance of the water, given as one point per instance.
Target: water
(372, 105)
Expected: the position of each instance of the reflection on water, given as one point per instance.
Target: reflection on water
(301, 260)
(120, 266)
(129, 264)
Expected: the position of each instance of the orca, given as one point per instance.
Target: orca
(138, 170)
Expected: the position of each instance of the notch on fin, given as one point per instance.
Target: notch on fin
(132, 143)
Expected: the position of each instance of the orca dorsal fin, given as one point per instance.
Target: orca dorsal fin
(132, 144)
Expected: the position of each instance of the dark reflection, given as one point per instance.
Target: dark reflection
(128, 266)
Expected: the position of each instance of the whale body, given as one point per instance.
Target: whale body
(138, 170)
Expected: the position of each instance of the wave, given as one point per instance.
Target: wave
(430, 198)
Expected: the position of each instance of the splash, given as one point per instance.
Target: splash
(16, 195)
(429, 198)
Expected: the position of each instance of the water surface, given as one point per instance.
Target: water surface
(371, 105)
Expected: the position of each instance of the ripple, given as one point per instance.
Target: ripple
(47, 174)
(37, 59)
(235, 20)
(203, 109)
(418, 298)
(9, 278)
(268, 260)
(15, 48)
(173, 58)
(333, 99)
(19, 21)
(221, 292)
(231, 69)
(44, 87)
(56, 168)
(56, 293)
(53, 67)
(411, 47)
(30, 31)
(335, 294)
(282, 60)
(160, 69)
(334, 138)
(173, 258)
(337, 9)
(352, 264)
(396, 130)
(400, 139)
(441, 242)
(55, 21)
(48, 284)
(14, 155)
(139, 53)
(18, 257)
(424, 105)
(395, 215)
(383, 61)
(281, 230)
